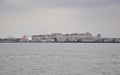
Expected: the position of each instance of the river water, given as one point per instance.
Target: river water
(59, 59)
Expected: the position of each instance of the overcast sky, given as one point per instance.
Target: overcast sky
(29, 17)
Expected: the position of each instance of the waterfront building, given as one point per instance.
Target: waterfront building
(58, 37)
(24, 39)
(107, 39)
(87, 39)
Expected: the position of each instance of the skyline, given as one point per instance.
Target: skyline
(34, 17)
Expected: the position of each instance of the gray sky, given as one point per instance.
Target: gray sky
(28, 17)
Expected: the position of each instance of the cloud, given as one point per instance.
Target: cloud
(57, 3)
(20, 6)
(42, 16)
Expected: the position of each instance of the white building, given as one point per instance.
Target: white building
(73, 37)
(58, 37)
(86, 37)
(49, 38)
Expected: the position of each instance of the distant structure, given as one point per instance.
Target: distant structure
(74, 37)
(62, 38)
(24, 39)
(98, 37)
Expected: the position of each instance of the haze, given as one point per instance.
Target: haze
(29, 17)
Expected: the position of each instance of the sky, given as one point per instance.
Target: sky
(34, 17)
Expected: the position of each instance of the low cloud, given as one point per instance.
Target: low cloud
(57, 3)
(42, 16)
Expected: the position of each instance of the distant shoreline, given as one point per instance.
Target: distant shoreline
(62, 38)
(59, 42)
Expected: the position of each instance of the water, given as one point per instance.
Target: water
(59, 59)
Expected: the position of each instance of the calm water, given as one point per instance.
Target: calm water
(59, 59)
